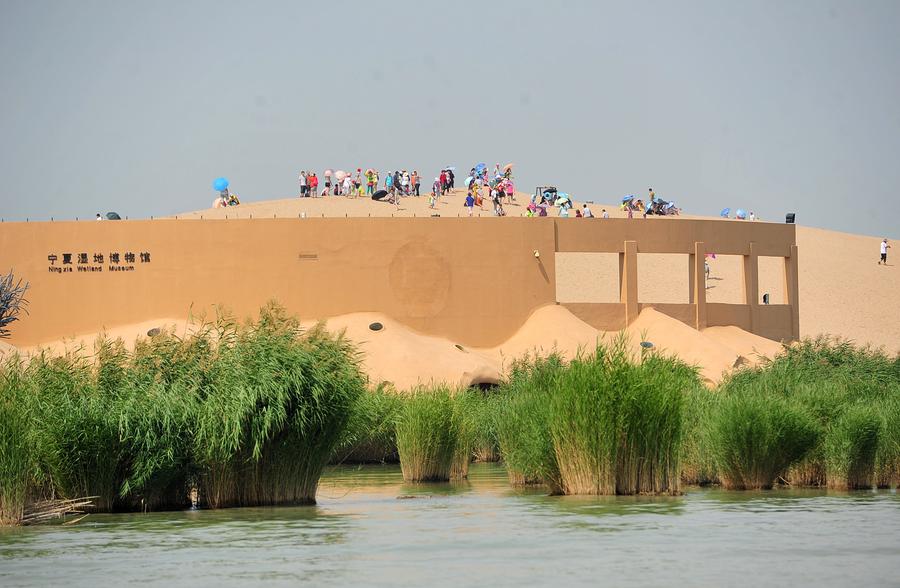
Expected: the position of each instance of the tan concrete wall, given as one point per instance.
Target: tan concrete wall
(471, 281)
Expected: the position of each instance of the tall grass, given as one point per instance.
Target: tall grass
(602, 424)
(79, 447)
(427, 435)
(617, 424)
(826, 378)
(887, 460)
(523, 436)
(850, 448)
(698, 464)
(274, 409)
(755, 439)
(16, 445)
(248, 414)
(370, 435)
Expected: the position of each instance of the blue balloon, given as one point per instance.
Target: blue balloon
(220, 184)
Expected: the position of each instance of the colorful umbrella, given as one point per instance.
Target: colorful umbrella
(725, 212)
(468, 181)
(340, 174)
(628, 198)
(507, 167)
(328, 173)
(220, 184)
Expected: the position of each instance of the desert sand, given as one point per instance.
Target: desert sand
(404, 358)
(838, 272)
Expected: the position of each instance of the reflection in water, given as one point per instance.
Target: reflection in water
(370, 527)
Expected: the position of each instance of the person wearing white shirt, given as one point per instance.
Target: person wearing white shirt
(604, 214)
(304, 186)
(586, 212)
(884, 248)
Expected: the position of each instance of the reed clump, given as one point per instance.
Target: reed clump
(370, 435)
(523, 436)
(850, 448)
(246, 414)
(17, 445)
(600, 424)
(849, 392)
(427, 435)
(756, 438)
(275, 406)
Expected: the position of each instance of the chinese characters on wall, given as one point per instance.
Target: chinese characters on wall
(110, 261)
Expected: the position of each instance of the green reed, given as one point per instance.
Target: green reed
(755, 438)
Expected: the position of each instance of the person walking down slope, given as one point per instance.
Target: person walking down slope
(884, 248)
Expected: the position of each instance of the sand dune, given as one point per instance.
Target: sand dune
(405, 358)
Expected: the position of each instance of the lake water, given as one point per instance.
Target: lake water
(481, 532)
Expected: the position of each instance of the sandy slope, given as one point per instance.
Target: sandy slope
(406, 358)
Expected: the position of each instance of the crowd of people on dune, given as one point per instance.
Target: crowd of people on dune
(486, 190)
(390, 186)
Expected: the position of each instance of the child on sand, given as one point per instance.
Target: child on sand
(884, 248)
(470, 201)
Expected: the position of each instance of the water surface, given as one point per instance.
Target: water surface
(481, 532)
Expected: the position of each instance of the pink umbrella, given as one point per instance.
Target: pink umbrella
(328, 173)
(340, 174)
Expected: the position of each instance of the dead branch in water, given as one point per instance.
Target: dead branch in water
(46, 510)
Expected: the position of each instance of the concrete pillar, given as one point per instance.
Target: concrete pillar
(628, 281)
(692, 273)
(751, 286)
(792, 290)
(698, 284)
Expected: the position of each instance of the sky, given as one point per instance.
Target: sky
(135, 107)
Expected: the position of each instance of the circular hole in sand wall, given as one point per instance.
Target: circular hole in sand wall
(375, 326)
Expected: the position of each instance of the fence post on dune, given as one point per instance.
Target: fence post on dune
(792, 291)
(698, 285)
(628, 293)
(751, 286)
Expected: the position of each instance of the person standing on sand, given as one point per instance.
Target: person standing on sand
(304, 187)
(443, 178)
(884, 248)
(416, 181)
(435, 192)
(586, 212)
(451, 180)
(370, 182)
(470, 201)
(604, 214)
(652, 196)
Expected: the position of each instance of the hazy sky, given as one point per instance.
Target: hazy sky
(769, 106)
